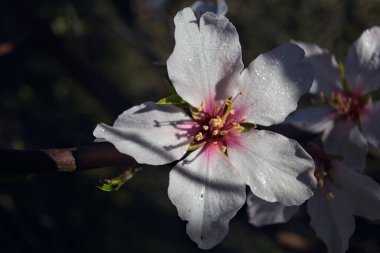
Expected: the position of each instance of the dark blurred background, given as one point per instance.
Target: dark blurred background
(67, 65)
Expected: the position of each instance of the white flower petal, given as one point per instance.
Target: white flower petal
(207, 191)
(261, 212)
(222, 8)
(273, 83)
(364, 193)
(150, 133)
(345, 139)
(206, 61)
(326, 70)
(201, 7)
(311, 119)
(275, 168)
(370, 124)
(333, 219)
(362, 65)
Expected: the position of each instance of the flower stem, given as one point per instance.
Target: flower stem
(96, 155)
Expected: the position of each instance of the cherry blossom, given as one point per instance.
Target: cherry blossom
(344, 111)
(342, 193)
(215, 136)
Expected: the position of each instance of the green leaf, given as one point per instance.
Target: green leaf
(114, 184)
(173, 99)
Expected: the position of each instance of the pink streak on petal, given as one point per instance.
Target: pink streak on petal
(234, 142)
(210, 105)
(210, 150)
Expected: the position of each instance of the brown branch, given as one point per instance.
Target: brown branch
(89, 157)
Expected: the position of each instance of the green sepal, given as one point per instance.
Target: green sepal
(245, 127)
(114, 184)
(346, 86)
(195, 146)
(173, 99)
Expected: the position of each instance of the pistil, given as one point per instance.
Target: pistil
(347, 105)
(215, 124)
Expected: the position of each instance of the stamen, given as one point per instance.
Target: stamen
(245, 117)
(321, 182)
(217, 122)
(196, 117)
(229, 103)
(321, 178)
(200, 108)
(199, 136)
(347, 105)
(330, 196)
(195, 113)
(239, 94)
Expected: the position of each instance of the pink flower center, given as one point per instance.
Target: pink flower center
(217, 123)
(346, 105)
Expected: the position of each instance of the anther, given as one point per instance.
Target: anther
(217, 122)
(330, 195)
(199, 136)
(223, 149)
(223, 132)
(228, 101)
(322, 96)
(215, 132)
(205, 127)
(321, 182)
(200, 108)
